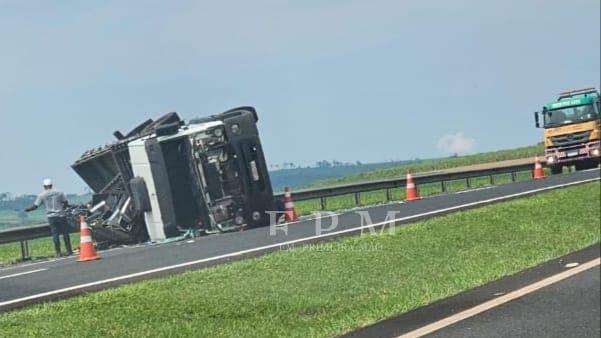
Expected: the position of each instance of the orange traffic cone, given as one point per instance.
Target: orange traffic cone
(86, 247)
(538, 172)
(411, 189)
(290, 214)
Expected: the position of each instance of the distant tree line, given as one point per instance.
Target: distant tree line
(318, 164)
(10, 202)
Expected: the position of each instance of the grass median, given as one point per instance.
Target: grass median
(325, 290)
(38, 248)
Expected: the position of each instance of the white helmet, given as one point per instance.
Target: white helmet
(47, 182)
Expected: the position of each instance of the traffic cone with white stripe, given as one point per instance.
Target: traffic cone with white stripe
(86, 247)
(538, 172)
(290, 214)
(411, 192)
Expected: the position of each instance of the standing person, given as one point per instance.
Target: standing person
(55, 203)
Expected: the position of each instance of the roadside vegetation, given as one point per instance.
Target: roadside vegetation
(379, 196)
(304, 176)
(12, 214)
(38, 248)
(329, 289)
(435, 164)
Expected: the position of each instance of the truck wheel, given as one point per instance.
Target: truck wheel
(587, 164)
(139, 195)
(556, 169)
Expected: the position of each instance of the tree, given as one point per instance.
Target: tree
(324, 164)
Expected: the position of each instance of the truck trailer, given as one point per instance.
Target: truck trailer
(170, 178)
(572, 130)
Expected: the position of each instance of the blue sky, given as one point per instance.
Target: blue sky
(345, 80)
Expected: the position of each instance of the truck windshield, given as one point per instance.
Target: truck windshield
(558, 117)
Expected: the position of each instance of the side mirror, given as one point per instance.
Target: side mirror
(536, 120)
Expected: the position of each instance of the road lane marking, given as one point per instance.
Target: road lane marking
(300, 220)
(475, 189)
(282, 244)
(22, 273)
(430, 328)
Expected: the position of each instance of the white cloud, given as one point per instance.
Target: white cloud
(456, 143)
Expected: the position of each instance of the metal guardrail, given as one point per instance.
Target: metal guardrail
(16, 234)
(23, 234)
(387, 185)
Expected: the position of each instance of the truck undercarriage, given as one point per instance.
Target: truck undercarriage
(168, 178)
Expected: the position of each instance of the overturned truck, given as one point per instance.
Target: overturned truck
(169, 178)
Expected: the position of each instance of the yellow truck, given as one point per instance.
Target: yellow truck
(572, 130)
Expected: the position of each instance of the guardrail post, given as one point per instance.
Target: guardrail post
(468, 182)
(322, 202)
(357, 198)
(443, 186)
(388, 195)
(513, 176)
(492, 180)
(24, 250)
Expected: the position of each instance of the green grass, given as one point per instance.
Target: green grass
(38, 248)
(10, 218)
(326, 290)
(436, 164)
(10, 215)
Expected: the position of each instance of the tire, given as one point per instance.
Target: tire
(587, 164)
(556, 169)
(139, 195)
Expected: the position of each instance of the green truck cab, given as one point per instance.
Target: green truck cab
(572, 130)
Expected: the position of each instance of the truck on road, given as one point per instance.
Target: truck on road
(172, 178)
(572, 130)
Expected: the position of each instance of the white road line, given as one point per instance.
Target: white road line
(500, 300)
(22, 273)
(276, 245)
(476, 189)
(326, 215)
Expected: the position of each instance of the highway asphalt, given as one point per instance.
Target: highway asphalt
(566, 307)
(569, 308)
(36, 282)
